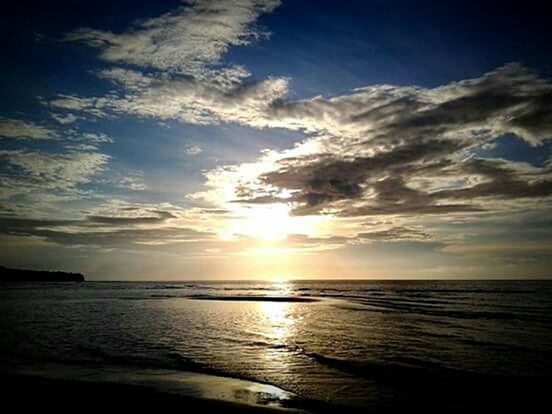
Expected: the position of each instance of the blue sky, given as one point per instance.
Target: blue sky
(268, 139)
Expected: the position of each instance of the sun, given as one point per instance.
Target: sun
(270, 223)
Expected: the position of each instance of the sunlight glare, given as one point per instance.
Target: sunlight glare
(272, 222)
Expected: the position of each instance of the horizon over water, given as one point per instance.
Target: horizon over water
(355, 344)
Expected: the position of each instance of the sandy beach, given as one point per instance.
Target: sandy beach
(36, 393)
(64, 387)
(67, 387)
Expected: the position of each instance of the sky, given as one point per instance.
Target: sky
(268, 139)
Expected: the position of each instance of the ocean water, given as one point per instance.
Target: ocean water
(358, 344)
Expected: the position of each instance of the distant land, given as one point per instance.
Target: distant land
(23, 275)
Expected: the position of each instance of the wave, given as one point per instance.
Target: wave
(166, 360)
(170, 287)
(421, 308)
(437, 388)
(468, 290)
(252, 298)
(404, 369)
(229, 298)
(403, 372)
(175, 361)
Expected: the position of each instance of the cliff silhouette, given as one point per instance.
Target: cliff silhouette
(23, 275)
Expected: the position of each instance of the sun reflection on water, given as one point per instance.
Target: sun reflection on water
(281, 287)
(279, 322)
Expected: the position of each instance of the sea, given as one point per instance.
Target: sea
(358, 345)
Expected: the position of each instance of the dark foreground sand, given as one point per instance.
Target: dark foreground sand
(69, 388)
(24, 393)
(63, 389)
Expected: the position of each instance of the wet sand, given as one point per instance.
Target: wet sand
(23, 392)
(68, 388)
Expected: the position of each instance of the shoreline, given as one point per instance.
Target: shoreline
(61, 386)
(66, 387)
(27, 392)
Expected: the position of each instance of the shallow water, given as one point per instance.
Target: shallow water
(361, 343)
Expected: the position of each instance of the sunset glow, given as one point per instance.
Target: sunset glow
(217, 140)
(276, 206)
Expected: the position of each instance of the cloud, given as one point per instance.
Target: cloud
(126, 220)
(182, 98)
(131, 182)
(64, 119)
(36, 171)
(388, 150)
(114, 224)
(92, 106)
(97, 138)
(403, 152)
(396, 234)
(155, 217)
(510, 99)
(187, 40)
(78, 141)
(193, 150)
(79, 233)
(176, 66)
(325, 179)
(381, 150)
(18, 129)
(531, 249)
(504, 179)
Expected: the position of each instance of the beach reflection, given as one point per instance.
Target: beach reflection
(278, 319)
(279, 322)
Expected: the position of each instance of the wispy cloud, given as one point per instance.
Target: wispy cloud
(18, 129)
(64, 119)
(510, 99)
(115, 224)
(396, 234)
(184, 99)
(176, 66)
(36, 171)
(91, 106)
(193, 150)
(190, 39)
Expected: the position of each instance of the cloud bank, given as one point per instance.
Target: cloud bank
(388, 150)
(379, 164)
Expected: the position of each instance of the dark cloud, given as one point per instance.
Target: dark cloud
(504, 182)
(124, 237)
(265, 199)
(328, 180)
(392, 196)
(396, 234)
(120, 232)
(340, 178)
(510, 99)
(159, 217)
(23, 226)
(413, 134)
